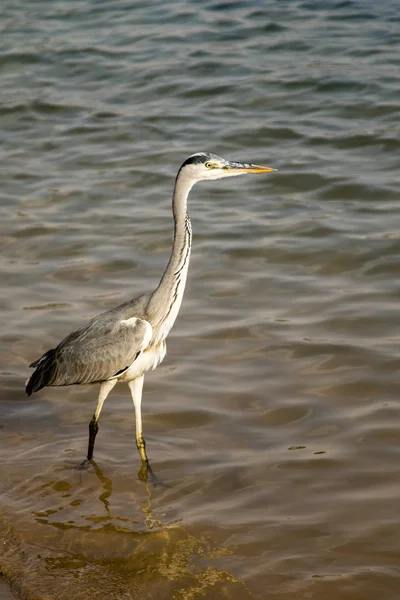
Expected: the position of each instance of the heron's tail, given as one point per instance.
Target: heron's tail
(43, 375)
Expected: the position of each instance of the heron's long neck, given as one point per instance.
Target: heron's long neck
(166, 300)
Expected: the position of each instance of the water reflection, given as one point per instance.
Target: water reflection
(135, 555)
(107, 485)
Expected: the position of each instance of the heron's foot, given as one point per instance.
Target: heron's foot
(141, 446)
(143, 472)
(84, 465)
(146, 474)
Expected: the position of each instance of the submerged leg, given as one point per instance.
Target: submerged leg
(105, 389)
(136, 387)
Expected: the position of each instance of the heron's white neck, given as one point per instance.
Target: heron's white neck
(165, 302)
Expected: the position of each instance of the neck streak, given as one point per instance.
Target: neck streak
(165, 302)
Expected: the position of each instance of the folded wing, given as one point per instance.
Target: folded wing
(98, 351)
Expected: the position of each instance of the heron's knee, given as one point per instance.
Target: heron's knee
(140, 443)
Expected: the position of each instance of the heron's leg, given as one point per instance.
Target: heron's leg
(136, 387)
(105, 389)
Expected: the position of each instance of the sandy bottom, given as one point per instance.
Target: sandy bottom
(5, 593)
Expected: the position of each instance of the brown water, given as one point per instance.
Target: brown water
(274, 422)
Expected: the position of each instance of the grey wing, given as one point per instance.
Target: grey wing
(96, 352)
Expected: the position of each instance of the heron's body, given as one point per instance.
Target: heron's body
(122, 343)
(122, 339)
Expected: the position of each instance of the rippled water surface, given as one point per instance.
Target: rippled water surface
(274, 422)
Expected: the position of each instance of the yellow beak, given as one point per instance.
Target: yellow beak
(247, 168)
(258, 169)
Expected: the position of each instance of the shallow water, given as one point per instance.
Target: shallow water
(273, 423)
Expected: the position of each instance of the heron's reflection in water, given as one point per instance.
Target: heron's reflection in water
(149, 480)
(145, 557)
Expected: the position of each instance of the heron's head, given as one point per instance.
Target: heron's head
(204, 165)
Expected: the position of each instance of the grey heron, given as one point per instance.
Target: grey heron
(122, 343)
